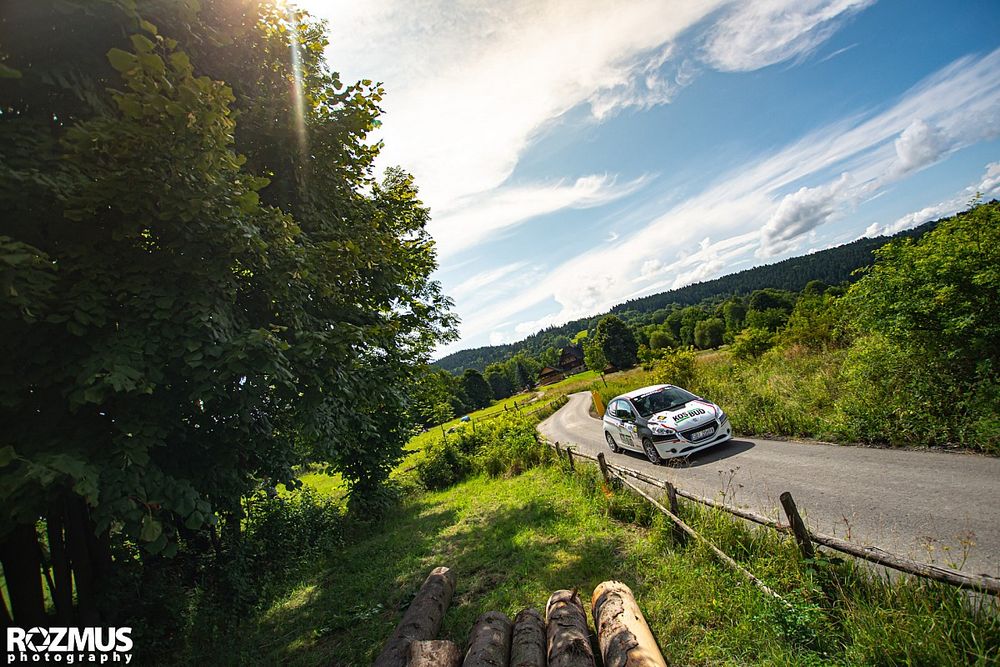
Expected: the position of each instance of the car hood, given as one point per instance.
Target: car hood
(691, 415)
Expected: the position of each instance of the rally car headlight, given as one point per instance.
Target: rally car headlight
(723, 417)
(661, 429)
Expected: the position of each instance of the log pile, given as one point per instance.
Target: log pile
(562, 638)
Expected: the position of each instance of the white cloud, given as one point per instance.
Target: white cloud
(469, 85)
(988, 186)
(739, 206)
(474, 285)
(757, 34)
(472, 220)
(911, 220)
(800, 212)
(918, 146)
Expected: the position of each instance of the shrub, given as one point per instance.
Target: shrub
(751, 343)
(443, 464)
(512, 451)
(891, 397)
(676, 367)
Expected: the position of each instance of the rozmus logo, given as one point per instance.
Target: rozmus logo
(69, 645)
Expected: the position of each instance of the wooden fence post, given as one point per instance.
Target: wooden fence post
(798, 526)
(569, 455)
(604, 469)
(679, 534)
(558, 450)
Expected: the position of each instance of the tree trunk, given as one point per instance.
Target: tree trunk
(23, 573)
(489, 644)
(567, 632)
(622, 632)
(527, 647)
(63, 594)
(77, 527)
(434, 653)
(421, 620)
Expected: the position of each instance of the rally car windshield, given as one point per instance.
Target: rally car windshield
(668, 398)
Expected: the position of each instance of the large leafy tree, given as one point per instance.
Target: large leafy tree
(476, 389)
(616, 341)
(192, 302)
(939, 295)
(499, 381)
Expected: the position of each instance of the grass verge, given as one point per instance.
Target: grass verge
(513, 541)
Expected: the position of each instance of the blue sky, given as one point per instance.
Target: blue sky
(578, 154)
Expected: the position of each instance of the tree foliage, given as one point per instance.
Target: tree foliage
(476, 389)
(832, 266)
(616, 341)
(193, 305)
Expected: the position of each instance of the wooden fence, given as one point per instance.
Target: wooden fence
(796, 526)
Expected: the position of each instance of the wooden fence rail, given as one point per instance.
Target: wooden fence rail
(975, 582)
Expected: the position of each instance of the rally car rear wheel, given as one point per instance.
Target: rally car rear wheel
(651, 453)
(611, 443)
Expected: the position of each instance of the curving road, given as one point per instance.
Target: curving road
(938, 507)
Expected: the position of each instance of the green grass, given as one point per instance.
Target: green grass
(530, 401)
(514, 541)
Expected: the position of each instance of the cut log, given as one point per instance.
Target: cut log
(421, 620)
(434, 653)
(489, 644)
(622, 632)
(567, 633)
(527, 648)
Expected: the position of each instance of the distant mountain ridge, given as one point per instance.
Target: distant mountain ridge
(832, 266)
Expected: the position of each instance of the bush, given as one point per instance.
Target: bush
(892, 398)
(503, 446)
(751, 343)
(676, 367)
(444, 463)
(513, 450)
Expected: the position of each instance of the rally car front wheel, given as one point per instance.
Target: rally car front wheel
(651, 453)
(611, 443)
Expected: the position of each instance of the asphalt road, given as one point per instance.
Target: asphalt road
(937, 507)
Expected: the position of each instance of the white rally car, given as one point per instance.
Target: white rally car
(664, 421)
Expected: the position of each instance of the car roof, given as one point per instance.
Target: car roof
(644, 390)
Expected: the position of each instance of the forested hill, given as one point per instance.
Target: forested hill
(832, 266)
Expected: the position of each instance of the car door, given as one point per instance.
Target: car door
(627, 429)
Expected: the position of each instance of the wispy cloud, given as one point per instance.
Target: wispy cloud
(753, 35)
(486, 280)
(470, 85)
(474, 219)
(987, 187)
(753, 208)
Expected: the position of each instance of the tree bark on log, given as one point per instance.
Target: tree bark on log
(421, 620)
(489, 644)
(622, 631)
(434, 653)
(527, 647)
(567, 633)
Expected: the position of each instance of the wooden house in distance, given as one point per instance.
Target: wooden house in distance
(570, 362)
(549, 375)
